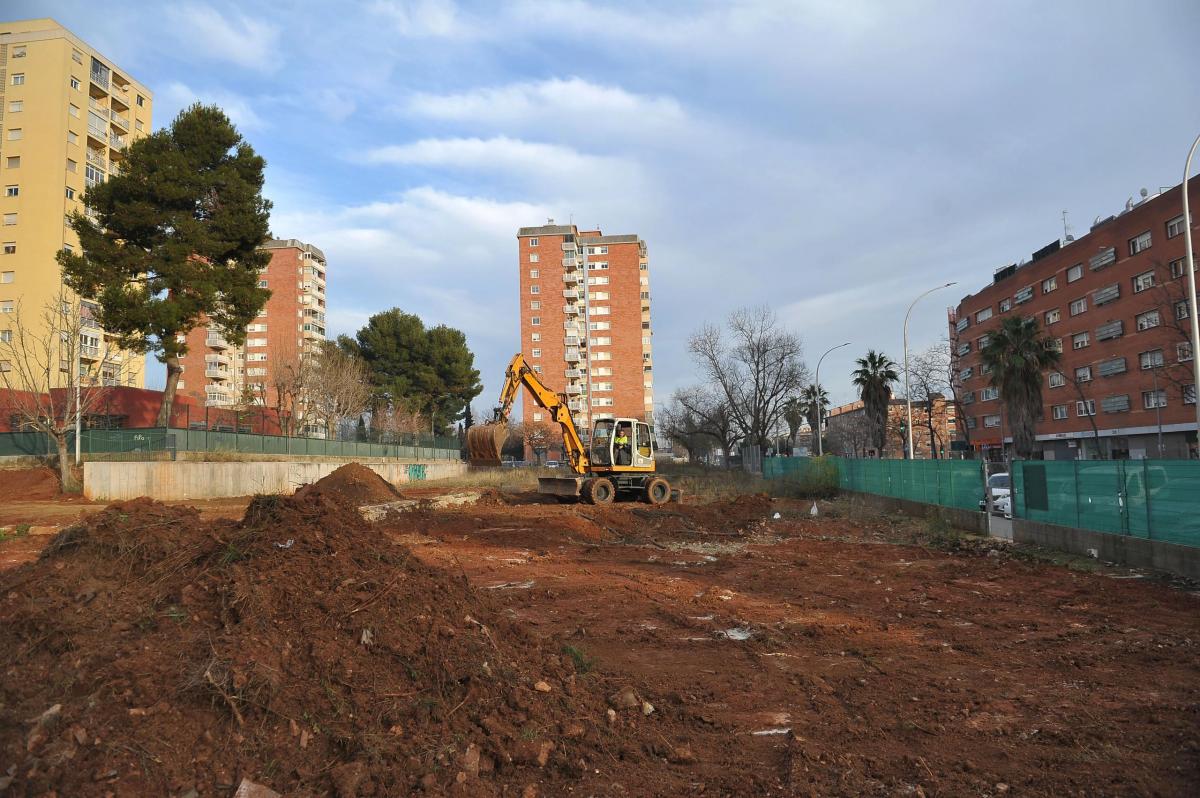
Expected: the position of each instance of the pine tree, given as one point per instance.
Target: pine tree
(175, 240)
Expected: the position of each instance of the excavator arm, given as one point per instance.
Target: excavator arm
(484, 441)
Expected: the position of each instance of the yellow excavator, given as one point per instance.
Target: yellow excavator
(619, 463)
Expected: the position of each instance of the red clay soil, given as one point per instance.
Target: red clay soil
(28, 484)
(353, 483)
(312, 653)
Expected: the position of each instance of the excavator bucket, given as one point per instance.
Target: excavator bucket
(484, 442)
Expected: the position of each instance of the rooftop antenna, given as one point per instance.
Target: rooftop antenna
(1067, 228)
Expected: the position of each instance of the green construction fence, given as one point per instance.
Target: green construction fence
(149, 441)
(949, 483)
(1151, 499)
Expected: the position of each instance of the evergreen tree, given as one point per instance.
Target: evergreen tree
(175, 240)
(1018, 356)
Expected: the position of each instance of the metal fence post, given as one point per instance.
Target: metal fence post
(1146, 496)
(1078, 513)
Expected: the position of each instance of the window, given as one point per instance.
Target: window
(16, 106)
(534, 274)
(10, 219)
(537, 416)
(598, 296)
(68, 248)
(963, 348)
(1182, 310)
(536, 352)
(536, 337)
(262, 283)
(7, 277)
(598, 266)
(72, 137)
(73, 110)
(602, 401)
(1149, 319)
(1109, 293)
(535, 304)
(1054, 345)
(1079, 306)
(1049, 284)
(1178, 268)
(72, 166)
(1080, 340)
(256, 342)
(982, 341)
(598, 280)
(14, 162)
(12, 191)
(971, 423)
(1024, 295)
(1115, 404)
(1189, 394)
(19, 50)
(602, 340)
(983, 315)
(536, 321)
(989, 393)
(1111, 367)
(602, 386)
(14, 134)
(599, 325)
(70, 193)
(1142, 282)
(1075, 272)
(1083, 374)
(1057, 380)
(533, 257)
(991, 421)
(1005, 305)
(1139, 243)
(1110, 330)
(6, 306)
(5, 336)
(75, 83)
(1058, 412)
(18, 79)
(1086, 407)
(535, 289)
(256, 357)
(1175, 226)
(601, 310)
(1154, 399)
(141, 101)
(1052, 316)
(1183, 350)
(533, 242)
(10, 247)
(1152, 359)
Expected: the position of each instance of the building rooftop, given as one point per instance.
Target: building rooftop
(621, 239)
(547, 230)
(284, 243)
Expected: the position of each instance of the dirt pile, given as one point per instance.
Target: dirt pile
(149, 653)
(28, 484)
(353, 483)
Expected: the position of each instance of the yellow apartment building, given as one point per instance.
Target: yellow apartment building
(67, 115)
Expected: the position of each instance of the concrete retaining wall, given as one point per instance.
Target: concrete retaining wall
(968, 520)
(1132, 551)
(178, 480)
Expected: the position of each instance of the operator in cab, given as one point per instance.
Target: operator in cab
(621, 446)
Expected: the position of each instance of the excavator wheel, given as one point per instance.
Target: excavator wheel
(657, 491)
(598, 490)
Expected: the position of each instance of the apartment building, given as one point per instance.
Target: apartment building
(585, 322)
(847, 431)
(67, 114)
(1114, 303)
(289, 325)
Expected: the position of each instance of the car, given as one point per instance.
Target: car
(553, 464)
(1003, 506)
(998, 485)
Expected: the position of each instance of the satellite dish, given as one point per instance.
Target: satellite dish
(1145, 193)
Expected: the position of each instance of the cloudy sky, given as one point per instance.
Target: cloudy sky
(832, 159)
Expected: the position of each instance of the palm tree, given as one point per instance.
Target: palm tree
(874, 377)
(1019, 355)
(814, 402)
(793, 416)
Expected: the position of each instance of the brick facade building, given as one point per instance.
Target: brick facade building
(585, 323)
(1114, 301)
(847, 431)
(217, 374)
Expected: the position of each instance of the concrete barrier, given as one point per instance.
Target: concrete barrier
(968, 520)
(109, 481)
(1124, 549)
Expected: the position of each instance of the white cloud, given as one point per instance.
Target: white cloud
(239, 109)
(236, 38)
(419, 18)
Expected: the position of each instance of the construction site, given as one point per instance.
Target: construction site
(480, 638)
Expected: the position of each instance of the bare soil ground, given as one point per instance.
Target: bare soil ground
(739, 654)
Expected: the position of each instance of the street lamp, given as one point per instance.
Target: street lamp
(907, 393)
(817, 387)
(1191, 285)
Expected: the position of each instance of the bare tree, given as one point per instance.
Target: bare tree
(390, 423)
(53, 369)
(289, 375)
(755, 366)
(682, 425)
(849, 434)
(338, 386)
(539, 436)
(929, 382)
(705, 412)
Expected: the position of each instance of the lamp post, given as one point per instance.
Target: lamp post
(817, 387)
(1190, 271)
(907, 393)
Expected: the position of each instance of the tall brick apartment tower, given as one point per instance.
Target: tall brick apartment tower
(292, 322)
(587, 337)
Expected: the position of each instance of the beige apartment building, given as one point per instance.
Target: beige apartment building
(67, 114)
(290, 325)
(585, 323)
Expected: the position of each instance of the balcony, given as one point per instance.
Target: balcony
(216, 373)
(571, 293)
(116, 142)
(99, 105)
(96, 158)
(89, 352)
(97, 133)
(576, 405)
(121, 121)
(572, 355)
(572, 277)
(89, 323)
(218, 360)
(574, 374)
(216, 342)
(100, 77)
(571, 341)
(571, 310)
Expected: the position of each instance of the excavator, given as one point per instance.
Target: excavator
(619, 463)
